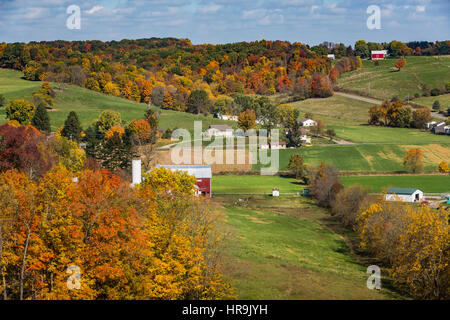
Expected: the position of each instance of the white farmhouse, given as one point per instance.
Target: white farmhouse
(430, 124)
(219, 130)
(331, 56)
(305, 122)
(227, 117)
(303, 137)
(278, 145)
(404, 195)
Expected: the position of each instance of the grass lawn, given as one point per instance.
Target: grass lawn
(341, 109)
(349, 118)
(224, 184)
(89, 104)
(290, 254)
(372, 134)
(365, 158)
(384, 82)
(254, 184)
(428, 101)
(426, 183)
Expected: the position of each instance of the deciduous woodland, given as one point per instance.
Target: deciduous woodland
(143, 243)
(167, 71)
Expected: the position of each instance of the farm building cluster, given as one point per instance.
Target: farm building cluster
(438, 127)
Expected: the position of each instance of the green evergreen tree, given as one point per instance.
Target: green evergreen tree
(117, 151)
(72, 128)
(40, 120)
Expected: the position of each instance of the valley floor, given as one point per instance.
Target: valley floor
(289, 248)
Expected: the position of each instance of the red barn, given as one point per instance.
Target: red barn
(378, 55)
(201, 173)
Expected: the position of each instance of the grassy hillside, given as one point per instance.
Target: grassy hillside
(371, 134)
(428, 101)
(265, 184)
(254, 184)
(384, 81)
(349, 119)
(89, 104)
(426, 183)
(291, 254)
(366, 158)
(337, 109)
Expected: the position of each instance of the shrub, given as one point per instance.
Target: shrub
(435, 92)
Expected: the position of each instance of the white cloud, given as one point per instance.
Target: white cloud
(421, 8)
(254, 14)
(94, 9)
(272, 19)
(211, 9)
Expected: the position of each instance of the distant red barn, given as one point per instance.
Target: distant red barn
(379, 55)
(202, 173)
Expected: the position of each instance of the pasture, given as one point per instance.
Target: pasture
(426, 183)
(366, 157)
(89, 104)
(291, 249)
(229, 184)
(428, 101)
(384, 82)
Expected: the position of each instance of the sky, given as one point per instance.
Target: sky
(225, 21)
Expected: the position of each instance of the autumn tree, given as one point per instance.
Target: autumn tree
(167, 102)
(247, 120)
(414, 160)
(331, 133)
(421, 117)
(400, 63)
(21, 111)
(348, 204)
(323, 183)
(141, 130)
(297, 166)
(319, 128)
(443, 167)
(413, 240)
(72, 128)
(24, 148)
(107, 119)
(288, 115)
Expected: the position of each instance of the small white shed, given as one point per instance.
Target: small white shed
(275, 192)
(404, 195)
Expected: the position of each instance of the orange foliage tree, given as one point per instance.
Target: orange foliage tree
(126, 243)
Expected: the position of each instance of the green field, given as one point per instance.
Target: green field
(365, 158)
(336, 109)
(292, 253)
(348, 117)
(254, 184)
(384, 81)
(89, 104)
(372, 134)
(426, 183)
(229, 184)
(428, 101)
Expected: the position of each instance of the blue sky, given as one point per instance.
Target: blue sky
(224, 21)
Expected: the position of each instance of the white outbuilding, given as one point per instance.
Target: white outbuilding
(404, 195)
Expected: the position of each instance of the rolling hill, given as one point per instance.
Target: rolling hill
(384, 82)
(89, 104)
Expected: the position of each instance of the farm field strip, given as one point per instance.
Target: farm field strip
(255, 184)
(290, 255)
